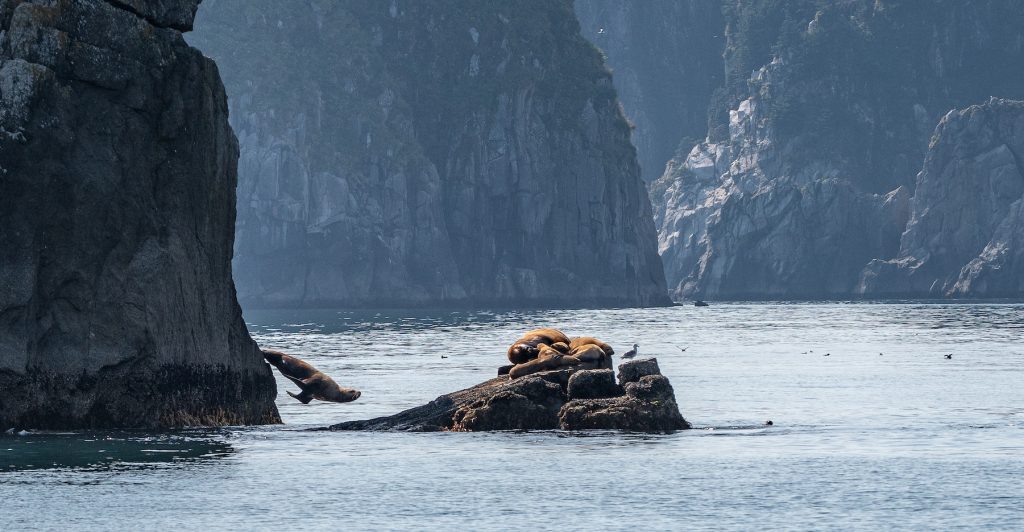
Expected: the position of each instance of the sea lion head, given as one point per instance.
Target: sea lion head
(519, 353)
(325, 389)
(342, 395)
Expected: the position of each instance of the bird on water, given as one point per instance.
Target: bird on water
(949, 356)
(632, 352)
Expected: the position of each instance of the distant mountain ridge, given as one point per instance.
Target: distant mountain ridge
(814, 137)
(425, 153)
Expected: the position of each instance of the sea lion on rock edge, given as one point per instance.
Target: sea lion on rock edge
(314, 383)
(526, 348)
(584, 340)
(592, 355)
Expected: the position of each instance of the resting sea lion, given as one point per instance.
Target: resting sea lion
(584, 340)
(546, 363)
(592, 355)
(314, 383)
(526, 348)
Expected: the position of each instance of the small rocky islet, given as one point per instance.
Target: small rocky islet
(563, 393)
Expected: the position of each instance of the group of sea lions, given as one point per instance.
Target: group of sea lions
(538, 350)
(550, 349)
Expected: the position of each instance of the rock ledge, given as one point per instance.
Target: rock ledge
(565, 399)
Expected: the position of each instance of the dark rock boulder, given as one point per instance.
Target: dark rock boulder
(632, 370)
(592, 384)
(117, 178)
(648, 406)
(541, 401)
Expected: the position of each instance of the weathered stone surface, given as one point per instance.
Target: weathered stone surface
(964, 237)
(810, 161)
(429, 153)
(117, 176)
(632, 370)
(593, 384)
(541, 402)
(648, 406)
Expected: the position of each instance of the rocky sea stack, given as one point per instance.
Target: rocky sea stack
(117, 194)
(642, 401)
(965, 236)
(429, 153)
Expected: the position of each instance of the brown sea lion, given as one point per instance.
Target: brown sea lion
(545, 363)
(592, 354)
(525, 348)
(584, 340)
(314, 383)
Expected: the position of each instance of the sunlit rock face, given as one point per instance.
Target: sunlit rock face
(117, 178)
(815, 139)
(965, 236)
(429, 153)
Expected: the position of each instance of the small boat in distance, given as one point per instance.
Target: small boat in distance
(700, 303)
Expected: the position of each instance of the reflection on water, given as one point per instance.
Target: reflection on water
(882, 433)
(107, 451)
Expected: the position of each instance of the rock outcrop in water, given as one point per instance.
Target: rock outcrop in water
(642, 401)
(966, 231)
(429, 153)
(117, 178)
(816, 135)
(667, 60)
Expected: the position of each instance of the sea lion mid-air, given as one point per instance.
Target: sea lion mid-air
(314, 383)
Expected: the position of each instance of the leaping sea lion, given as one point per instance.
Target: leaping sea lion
(314, 383)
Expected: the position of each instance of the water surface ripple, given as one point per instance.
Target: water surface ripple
(884, 432)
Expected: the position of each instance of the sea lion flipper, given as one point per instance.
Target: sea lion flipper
(304, 397)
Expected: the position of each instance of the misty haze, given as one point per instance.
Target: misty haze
(511, 265)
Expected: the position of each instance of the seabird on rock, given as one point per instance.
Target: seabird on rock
(632, 352)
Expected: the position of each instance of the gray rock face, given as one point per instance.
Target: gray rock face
(562, 399)
(809, 164)
(426, 153)
(666, 56)
(966, 230)
(117, 176)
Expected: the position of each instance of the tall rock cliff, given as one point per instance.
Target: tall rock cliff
(429, 153)
(966, 231)
(666, 57)
(810, 160)
(117, 178)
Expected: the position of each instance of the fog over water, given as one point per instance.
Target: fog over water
(882, 432)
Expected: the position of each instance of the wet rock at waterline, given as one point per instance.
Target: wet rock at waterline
(563, 399)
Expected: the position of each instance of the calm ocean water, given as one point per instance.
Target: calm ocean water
(882, 433)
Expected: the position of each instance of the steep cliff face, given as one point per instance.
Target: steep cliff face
(666, 56)
(965, 233)
(809, 162)
(423, 153)
(117, 176)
